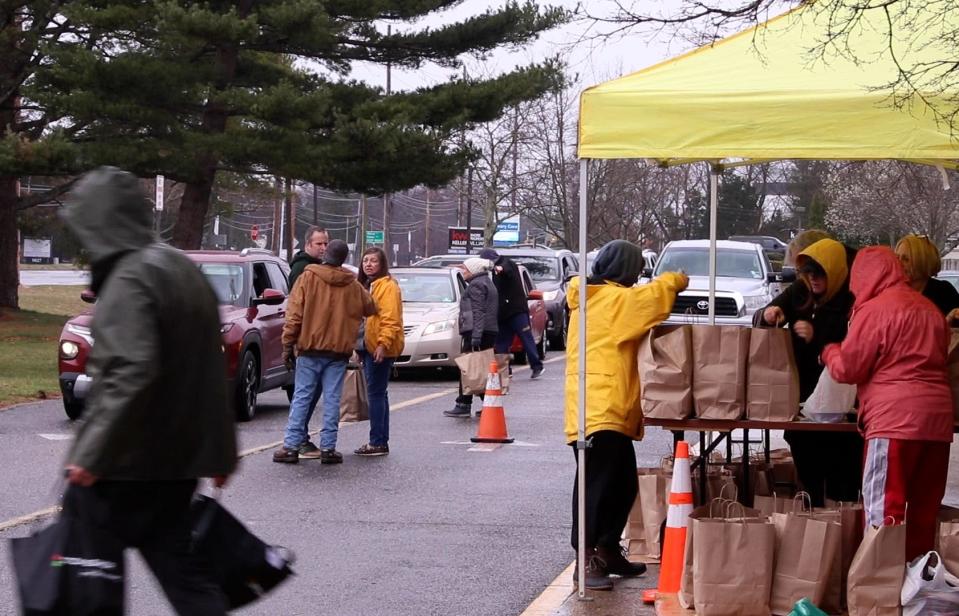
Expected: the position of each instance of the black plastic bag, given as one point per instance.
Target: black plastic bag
(69, 568)
(244, 567)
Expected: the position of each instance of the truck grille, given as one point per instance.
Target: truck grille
(687, 304)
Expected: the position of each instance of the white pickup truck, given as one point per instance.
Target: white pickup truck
(745, 280)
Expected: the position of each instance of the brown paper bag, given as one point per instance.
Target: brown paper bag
(877, 571)
(717, 507)
(732, 566)
(953, 364)
(666, 372)
(947, 538)
(850, 518)
(768, 505)
(719, 371)
(806, 551)
(354, 399)
(772, 380)
(644, 525)
(474, 371)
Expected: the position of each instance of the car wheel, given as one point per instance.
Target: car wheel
(519, 358)
(247, 387)
(73, 409)
(558, 340)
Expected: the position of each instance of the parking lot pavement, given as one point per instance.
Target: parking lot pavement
(33, 278)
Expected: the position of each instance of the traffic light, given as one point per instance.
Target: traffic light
(254, 232)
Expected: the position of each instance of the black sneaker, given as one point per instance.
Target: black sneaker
(330, 456)
(372, 450)
(309, 451)
(286, 456)
(537, 372)
(460, 410)
(618, 564)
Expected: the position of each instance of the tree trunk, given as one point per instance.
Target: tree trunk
(9, 273)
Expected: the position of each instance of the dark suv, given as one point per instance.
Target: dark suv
(550, 269)
(251, 287)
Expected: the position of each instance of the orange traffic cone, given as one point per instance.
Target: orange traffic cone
(492, 425)
(677, 517)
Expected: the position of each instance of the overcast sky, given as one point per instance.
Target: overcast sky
(595, 61)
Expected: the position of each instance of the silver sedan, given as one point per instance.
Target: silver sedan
(431, 303)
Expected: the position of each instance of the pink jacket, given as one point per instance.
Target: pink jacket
(895, 352)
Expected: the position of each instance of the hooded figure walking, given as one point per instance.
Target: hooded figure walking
(157, 417)
(619, 315)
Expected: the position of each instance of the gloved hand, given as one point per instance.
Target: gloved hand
(288, 358)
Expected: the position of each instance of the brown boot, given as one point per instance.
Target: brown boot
(617, 563)
(596, 578)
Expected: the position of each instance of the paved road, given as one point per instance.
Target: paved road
(34, 278)
(433, 528)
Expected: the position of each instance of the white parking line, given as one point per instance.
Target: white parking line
(56, 437)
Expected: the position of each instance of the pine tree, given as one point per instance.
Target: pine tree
(187, 89)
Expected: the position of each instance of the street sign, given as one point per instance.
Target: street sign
(507, 232)
(374, 237)
(158, 203)
(254, 232)
(457, 240)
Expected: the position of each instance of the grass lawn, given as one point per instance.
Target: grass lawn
(48, 266)
(28, 342)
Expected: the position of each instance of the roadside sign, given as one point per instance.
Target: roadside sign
(254, 232)
(374, 237)
(457, 240)
(507, 232)
(159, 193)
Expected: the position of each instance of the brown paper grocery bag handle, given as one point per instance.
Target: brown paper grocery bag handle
(719, 500)
(729, 507)
(803, 498)
(722, 492)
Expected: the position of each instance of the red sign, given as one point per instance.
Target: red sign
(254, 232)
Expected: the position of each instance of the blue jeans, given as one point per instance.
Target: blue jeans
(377, 380)
(519, 325)
(310, 373)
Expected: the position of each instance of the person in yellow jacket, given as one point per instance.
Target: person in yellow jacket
(381, 343)
(618, 316)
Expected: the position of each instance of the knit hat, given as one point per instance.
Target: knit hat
(489, 253)
(475, 265)
(336, 253)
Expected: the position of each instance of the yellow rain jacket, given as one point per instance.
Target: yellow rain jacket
(617, 318)
(386, 327)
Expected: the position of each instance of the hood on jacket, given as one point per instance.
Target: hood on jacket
(875, 269)
(331, 274)
(831, 256)
(304, 257)
(618, 261)
(109, 214)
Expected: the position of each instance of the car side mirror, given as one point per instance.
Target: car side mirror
(787, 275)
(88, 296)
(535, 294)
(647, 272)
(270, 297)
(569, 277)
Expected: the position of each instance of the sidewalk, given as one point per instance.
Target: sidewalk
(626, 599)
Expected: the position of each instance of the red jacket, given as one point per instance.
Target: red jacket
(895, 352)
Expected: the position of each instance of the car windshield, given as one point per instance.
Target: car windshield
(426, 287)
(540, 268)
(695, 262)
(226, 280)
(439, 262)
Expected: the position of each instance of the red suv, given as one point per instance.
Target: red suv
(252, 288)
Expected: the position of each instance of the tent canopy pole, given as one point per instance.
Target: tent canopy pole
(713, 210)
(581, 443)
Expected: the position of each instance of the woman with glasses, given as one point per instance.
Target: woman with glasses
(920, 259)
(816, 310)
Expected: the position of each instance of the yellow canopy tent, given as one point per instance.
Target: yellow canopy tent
(762, 95)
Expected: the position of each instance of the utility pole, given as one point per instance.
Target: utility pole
(275, 238)
(426, 248)
(387, 198)
(290, 219)
(361, 245)
(469, 210)
(316, 217)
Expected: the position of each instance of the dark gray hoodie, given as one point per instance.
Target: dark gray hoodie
(157, 408)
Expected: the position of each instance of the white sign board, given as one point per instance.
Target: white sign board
(36, 248)
(159, 193)
(507, 232)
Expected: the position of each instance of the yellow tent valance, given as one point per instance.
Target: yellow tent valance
(759, 95)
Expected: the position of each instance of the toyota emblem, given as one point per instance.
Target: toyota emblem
(702, 305)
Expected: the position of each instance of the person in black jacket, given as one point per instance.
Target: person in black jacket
(513, 316)
(477, 321)
(816, 309)
(920, 258)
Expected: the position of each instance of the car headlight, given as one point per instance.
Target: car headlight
(439, 327)
(81, 331)
(755, 302)
(226, 327)
(550, 295)
(69, 349)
